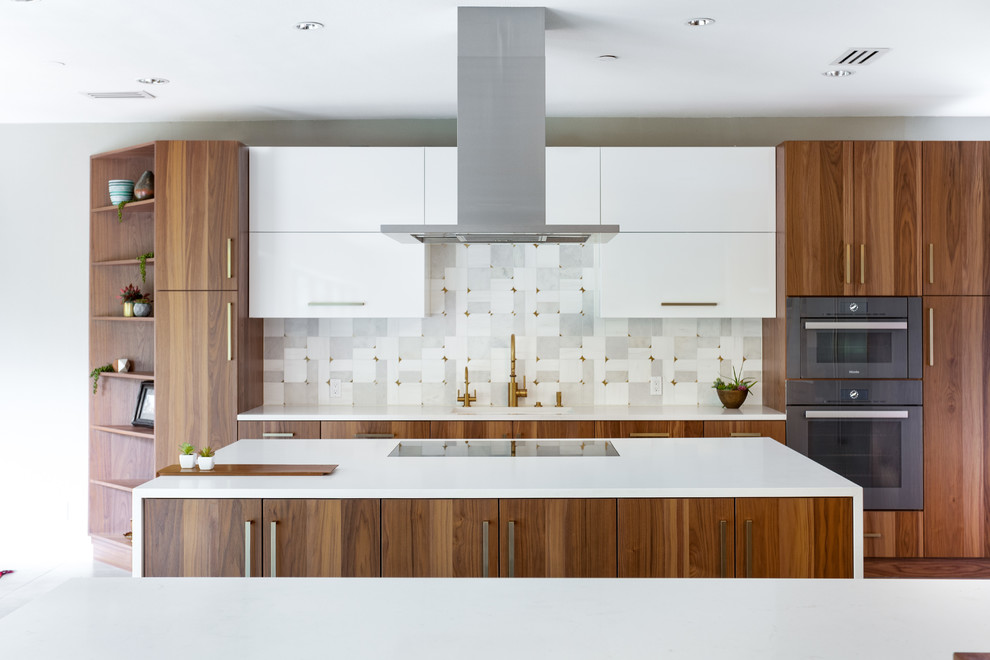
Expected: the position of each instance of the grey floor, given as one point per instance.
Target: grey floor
(25, 584)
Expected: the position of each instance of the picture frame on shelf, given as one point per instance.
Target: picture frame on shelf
(144, 412)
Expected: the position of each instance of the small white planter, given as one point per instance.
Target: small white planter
(187, 461)
(206, 462)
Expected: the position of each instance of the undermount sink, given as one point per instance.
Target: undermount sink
(482, 411)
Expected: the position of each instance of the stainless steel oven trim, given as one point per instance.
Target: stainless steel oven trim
(855, 325)
(856, 414)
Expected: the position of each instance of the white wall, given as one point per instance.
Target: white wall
(44, 183)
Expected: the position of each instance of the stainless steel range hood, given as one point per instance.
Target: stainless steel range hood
(501, 136)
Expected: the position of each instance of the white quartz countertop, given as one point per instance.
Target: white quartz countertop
(572, 619)
(453, 413)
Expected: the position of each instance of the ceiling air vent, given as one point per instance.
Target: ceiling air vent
(120, 95)
(859, 56)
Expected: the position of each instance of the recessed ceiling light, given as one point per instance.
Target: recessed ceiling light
(607, 58)
(700, 22)
(152, 81)
(309, 25)
(837, 73)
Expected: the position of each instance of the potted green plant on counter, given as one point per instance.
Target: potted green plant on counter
(733, 392)
(206, 458)
(187, 456)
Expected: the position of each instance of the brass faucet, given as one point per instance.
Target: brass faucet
(466, 399)
(515, 392)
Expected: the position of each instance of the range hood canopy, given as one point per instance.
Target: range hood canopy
(501, 136)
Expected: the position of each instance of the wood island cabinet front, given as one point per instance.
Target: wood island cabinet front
(557, 538)
(440, 538)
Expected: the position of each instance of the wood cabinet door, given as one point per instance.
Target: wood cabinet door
(196, 351)
(557, 538)
(471, 430)
(794, 537)
(322, 538)
(747, 428)
(650, 429)
(276, 429)
(202, 538)
(676, 537)
(957, 445)
(200, 215)
(440, 538)
(545, 429)
(887, 227)
(374, 429)
(893, 534)
(956, 242)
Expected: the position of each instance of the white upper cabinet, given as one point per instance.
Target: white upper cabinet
(695, 189)
(686, 275)
(341, 189)
(573, 185)
(351, 275)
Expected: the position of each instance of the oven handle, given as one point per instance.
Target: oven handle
(856, 414)
(855, 325)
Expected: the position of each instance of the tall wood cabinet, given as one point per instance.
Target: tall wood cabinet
(852, 218)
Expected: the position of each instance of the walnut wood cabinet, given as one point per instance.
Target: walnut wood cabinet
(957, 416)
(557, 538)
(473, 429)
(852, 217)
(956, 242)
(747, 428)
(275, 429)
(440, 538)
(650, 429)
(893, 534)
(322, 538)
(374, 429)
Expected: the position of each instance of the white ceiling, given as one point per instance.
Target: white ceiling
(243, 60)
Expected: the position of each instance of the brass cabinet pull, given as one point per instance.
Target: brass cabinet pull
(649, 435)
(230, 332)
(484, 548)
(872, 535)
(862, 264)
(931, 336)
(278, 435)
(744, 434)
(931, 263)
(512, 548)
(274, 545)
(374, 436)
(247, 548)
(723, 526)
(230, 245)
(320, 303)
(848, 264)
(688, 304)
(748, 526)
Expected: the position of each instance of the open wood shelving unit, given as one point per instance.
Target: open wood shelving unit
(121, 456)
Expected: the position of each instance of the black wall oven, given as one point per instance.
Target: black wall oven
(869, 431)
(867, 337)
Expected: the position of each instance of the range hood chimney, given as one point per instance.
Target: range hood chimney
(501, 136)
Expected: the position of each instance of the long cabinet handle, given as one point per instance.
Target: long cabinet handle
(872, 535)
(745, 434)
(230, 258)
(857, 414)
(273, 548)
(374, 436)
(855, 325)
(688, 304)
(748, 527)
(512, 548)
(230, 331)
(278, 435)
(649, 435)
(848, 264)
(931, 336)
(484, 548)
(862, 264)
(931, 263)
(247, 548)
(723, 526)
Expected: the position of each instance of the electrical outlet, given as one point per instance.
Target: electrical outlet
(334, 388)
(656, 385)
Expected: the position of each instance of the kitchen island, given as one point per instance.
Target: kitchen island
(814, 517)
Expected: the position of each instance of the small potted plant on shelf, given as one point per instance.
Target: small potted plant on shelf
(733, 392)
(142, 306)
(128, 295)
(187, 456)
(206, 458)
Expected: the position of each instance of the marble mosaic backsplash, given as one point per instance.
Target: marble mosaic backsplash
(479, 296)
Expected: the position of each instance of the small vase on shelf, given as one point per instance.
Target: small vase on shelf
(128, 309)
(142, 308)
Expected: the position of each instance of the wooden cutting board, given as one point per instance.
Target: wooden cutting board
(245, 470)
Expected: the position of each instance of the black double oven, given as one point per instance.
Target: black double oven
(854, 393)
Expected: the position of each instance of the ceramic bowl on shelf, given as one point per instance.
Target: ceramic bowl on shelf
(121, 190)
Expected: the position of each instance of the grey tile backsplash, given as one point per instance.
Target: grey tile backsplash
(480, 295)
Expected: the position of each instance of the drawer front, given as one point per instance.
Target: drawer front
(374, 430)
(651, 429)
(271, 429)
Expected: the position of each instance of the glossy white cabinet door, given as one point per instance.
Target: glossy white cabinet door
(693, 189)
(318, 275)
(573, 185)
(335, 188)
(721, 275)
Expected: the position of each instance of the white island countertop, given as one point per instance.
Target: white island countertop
(456, 413)
(645, 467)
(550, 619)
